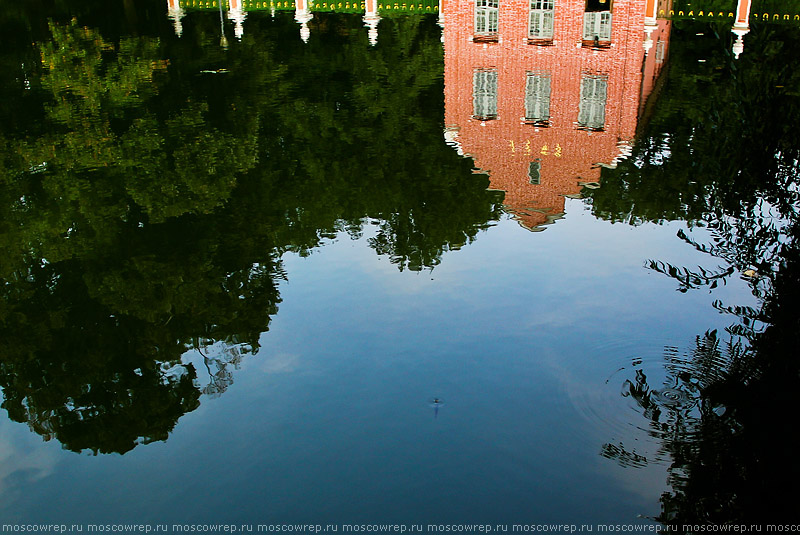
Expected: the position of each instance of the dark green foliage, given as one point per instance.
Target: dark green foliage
(721, 152)
(145, 211)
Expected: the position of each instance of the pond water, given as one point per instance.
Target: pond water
(377, 265)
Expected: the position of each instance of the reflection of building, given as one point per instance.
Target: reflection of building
(235, 9)
(303, 11)
(371, 20)
(542, 93)
(303, 15)
(237, 14)
(175, 13)
(741, 26)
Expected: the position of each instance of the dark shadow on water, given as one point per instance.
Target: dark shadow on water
(724, 417)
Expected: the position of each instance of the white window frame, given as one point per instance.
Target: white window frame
(484, 94)
(537, 98)
(487, 17)
(541, 19)
(597, 23)
(592, 107)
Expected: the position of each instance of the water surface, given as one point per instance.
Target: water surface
(240, 270)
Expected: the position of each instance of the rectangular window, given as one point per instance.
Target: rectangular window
(541, 19)
(484, 94)
(535, 172)
(660, 51)
(597, 26)
(486, 17)
(537, 98)
(592, 107)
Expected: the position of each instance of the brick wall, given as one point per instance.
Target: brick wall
(505, 146)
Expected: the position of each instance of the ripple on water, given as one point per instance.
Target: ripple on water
(435, 402)
(652, 388)
(673, 398)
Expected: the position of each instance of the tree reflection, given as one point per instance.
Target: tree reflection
(739, 461)
(145, 211)
(731, 457)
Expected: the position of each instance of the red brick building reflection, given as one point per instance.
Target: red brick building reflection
(542, 93)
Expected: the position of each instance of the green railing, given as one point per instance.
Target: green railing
(763, 11)
(346, 6)
(773, 11)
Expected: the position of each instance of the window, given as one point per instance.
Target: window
(541, 20)
(660, 51)
(597, 26)
(592, 110)
(537, 98)
(484, 94)
(486, 16)
(535, 172)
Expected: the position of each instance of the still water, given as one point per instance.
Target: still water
(397, 265)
